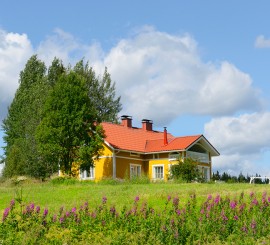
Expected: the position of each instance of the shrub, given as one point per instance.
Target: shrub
(186, 170)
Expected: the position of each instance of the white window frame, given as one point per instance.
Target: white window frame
(83, 174)
(138, 170)
(154, 176)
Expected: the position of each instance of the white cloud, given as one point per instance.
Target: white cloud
(241, 141)
(15, 49)
(154, 72)
(66, 47)
(157, 72)
(262, 42)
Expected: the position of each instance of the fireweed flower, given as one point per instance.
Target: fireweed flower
(209, 197)
(217, 199)
(169, 198)
(12, 203)
(37, 209)
(255, 201)
(244, 229)
(176, 201)
(67, 214)
(235, 217)
(45, 212)
(253, 224)
(54, 218)
(233, 204)
(178, 212)
(112, 210)
(93, 215)
(5, 214)
(32, 206)
(73, 210)
(251, 194)
(104, 200)
(136, 199)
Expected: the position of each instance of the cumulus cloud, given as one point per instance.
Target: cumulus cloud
(154, 72)
(157, 72)
(262, 42)
(15, 49)
(241, 141)
(66, 47)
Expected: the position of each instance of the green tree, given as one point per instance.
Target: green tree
(101, 92)
(55, 71)
(24, 115)
(69, 131)
(186, 170)
(92, 99)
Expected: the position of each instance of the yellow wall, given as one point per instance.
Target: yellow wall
(123, 162)
(164, 162)
(103, 165)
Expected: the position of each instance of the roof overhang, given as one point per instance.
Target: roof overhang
(206, 144)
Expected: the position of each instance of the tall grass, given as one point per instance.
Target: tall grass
(70, 192)
(218, 219)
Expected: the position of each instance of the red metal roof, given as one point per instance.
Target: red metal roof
(140, 140)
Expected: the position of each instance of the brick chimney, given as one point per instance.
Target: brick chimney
(126, 121)
(165, 136)
(147, 125)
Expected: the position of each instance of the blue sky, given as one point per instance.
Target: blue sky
(197, 67)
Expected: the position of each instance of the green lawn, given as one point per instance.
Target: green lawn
(53, 196)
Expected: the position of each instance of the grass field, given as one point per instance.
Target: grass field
(74, 193)
(65, 211)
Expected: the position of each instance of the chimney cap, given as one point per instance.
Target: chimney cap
(126, 117)
(147, 121)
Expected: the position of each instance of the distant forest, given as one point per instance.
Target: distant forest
(240, 179)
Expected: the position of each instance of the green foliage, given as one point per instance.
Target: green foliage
(101, 92)
(68, 131)
(24, 115)
(186, 170)
(79, 100)
(65, 180)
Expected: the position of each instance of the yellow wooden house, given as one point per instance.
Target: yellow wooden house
(130, 151)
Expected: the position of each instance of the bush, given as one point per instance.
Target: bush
(64, 180)
(186, 171)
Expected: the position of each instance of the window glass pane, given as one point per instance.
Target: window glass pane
(158, 172)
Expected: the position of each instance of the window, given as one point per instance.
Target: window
(158, 172)
(174, 156)
(88, 174)
(135, 170)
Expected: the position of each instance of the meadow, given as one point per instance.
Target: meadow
(113, 212)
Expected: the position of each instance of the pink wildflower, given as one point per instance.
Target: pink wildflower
(5, 214)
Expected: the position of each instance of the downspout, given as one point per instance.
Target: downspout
(114, 165)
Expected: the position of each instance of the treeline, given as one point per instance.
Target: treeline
(238, 179)
(54, 118)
